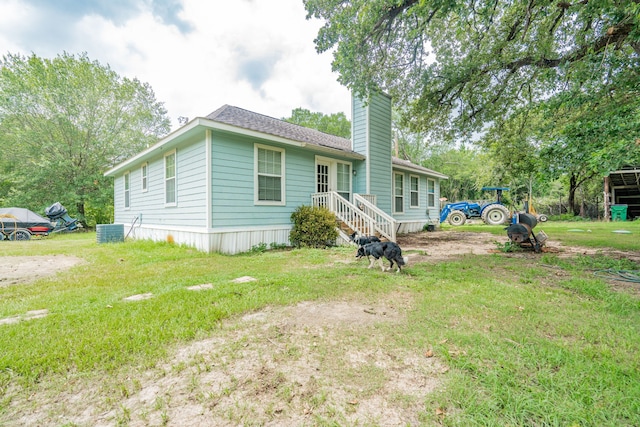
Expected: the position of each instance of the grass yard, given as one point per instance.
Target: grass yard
(517, 339)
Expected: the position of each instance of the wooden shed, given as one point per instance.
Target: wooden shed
(622, 187)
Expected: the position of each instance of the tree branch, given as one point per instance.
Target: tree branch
(613, 35)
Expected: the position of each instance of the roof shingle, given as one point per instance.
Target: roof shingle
(245, 119)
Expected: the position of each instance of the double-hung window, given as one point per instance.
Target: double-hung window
(415, 191)
(398, 192)
(269, 175)
(143, 173)
(170, 179)
(431, 193)
(127, 190)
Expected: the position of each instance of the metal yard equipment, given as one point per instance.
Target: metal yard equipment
(492, 213)
(59, 216)
(520, 232)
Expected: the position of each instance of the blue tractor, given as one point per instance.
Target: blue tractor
(492, 213)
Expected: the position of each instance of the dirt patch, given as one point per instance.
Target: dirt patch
(308, 364)
(443, 245)
(24, 269)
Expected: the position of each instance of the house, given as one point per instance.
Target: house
(231, 180)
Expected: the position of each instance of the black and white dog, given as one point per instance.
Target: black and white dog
(363, 240)
(389, 250)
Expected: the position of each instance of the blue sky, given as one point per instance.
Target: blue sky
(196, 54)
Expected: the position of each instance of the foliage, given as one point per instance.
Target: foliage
(334, 124)
(101, 213)
(551, 88)
(313, 227)
(459, 64)
(468, 170)
(258, 249)
(67, 120)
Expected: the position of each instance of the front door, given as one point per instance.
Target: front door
(333, 175)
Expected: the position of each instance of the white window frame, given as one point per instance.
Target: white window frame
(395, 195)
(174, 178)
(127, 189)
(256, 175)
(431, 204)
(413, 192)
(144, 177)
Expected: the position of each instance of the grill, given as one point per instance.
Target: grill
(521, 233)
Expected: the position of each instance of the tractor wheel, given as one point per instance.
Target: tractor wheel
(542, 218)
(495, 214)
(457, 218)
(20, 234)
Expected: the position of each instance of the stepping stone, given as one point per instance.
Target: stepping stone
(33, 314)
(139, 297)
(244, 279)
(200, 287)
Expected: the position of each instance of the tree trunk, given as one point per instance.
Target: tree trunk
(80, 208)
(573, 186)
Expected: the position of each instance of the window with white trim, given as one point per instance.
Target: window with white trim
(269, 175)
(398, 192)
(414, 194)
(170, 179)
(127, 190)
(431, 193)
(144, 169)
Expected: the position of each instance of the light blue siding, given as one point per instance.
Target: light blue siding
(232, 182)
(422, 211)
(360, 143)
(149, 206)
(232, 185)
(380, 151)
(371, 130)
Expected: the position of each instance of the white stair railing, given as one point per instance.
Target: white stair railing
(345, 211)
(385, 224)
(363, 216)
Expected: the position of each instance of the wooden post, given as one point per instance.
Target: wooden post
(607, 200)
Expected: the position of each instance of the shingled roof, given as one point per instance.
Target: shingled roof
(245, 119)
(408, 165)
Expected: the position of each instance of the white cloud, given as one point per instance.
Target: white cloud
(257, 55)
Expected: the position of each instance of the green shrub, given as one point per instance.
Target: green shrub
(313, 227)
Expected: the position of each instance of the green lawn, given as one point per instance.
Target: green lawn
(527, 341)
